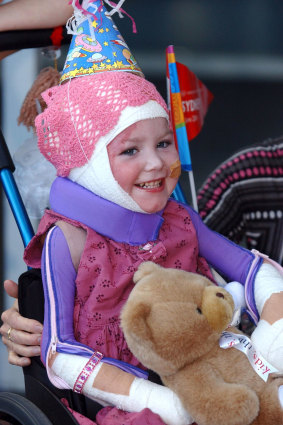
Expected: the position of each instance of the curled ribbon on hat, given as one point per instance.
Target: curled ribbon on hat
(87, 9)
(81, 14)
(115, 7)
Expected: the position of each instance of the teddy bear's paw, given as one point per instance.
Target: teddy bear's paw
(232, 404)
(271, 403)
(243, 407)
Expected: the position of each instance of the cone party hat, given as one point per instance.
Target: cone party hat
(97, 45)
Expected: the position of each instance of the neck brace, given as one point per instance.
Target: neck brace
(109, 219)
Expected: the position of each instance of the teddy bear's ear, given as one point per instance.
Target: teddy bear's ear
(145, 269)
(134, 321)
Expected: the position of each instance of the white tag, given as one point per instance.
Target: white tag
(236, 319)
(244, 344)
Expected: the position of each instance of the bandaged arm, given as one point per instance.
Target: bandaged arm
(75, 366)
(261, 276)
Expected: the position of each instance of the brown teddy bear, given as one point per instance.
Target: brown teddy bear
(172, 322)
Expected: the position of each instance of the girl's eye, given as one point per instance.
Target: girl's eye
(164, 144)
(129, 152)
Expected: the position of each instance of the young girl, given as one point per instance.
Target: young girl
(109, 212)
(109, 137)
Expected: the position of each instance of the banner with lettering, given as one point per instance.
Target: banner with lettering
(244, 344)
(196, 99)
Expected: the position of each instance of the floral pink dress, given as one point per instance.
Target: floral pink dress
(104, 281)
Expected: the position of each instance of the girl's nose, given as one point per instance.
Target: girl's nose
(153, 161)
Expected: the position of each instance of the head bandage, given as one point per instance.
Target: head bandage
(83, 116)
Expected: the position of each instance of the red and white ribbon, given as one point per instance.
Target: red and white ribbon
(245, 345)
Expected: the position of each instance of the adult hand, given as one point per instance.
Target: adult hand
(20, 335)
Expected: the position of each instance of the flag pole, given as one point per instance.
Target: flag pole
(178, 120)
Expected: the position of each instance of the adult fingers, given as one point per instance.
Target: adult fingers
(19, 337)
(16, 360)
(11, 288)
(20, 350)
(12, 318)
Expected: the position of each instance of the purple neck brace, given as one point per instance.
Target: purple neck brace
(105, 217)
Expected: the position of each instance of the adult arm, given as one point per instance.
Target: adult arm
(34, 14)
(25, 334)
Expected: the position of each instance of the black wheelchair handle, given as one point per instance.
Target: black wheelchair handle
(5, 157)
(26, 39)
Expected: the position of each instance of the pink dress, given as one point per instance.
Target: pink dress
(104, 281)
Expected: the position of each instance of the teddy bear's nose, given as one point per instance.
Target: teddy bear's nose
(219, 294)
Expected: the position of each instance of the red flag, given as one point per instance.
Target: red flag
(196, 99)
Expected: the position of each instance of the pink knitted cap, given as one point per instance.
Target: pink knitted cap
(83, 110)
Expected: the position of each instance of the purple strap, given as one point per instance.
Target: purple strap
(224, 255)
(233, 261)
(67, 274)
(76, 202)
(63, 289)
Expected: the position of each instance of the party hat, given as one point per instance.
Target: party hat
(97, 45)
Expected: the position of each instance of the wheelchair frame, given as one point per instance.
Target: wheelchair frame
(42, 405)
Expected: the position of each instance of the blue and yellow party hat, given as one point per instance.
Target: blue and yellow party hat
(97, 45)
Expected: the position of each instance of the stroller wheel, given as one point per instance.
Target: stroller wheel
(17, 410)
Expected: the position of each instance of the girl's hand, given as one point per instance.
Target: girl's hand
(20, 335)
(111, 386)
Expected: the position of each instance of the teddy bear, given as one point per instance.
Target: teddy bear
(173, 321)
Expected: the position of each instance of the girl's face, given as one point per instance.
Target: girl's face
(142, 158)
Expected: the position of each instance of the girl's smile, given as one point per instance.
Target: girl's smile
(153, 186)
(140, 159)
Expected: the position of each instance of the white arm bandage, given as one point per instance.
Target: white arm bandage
(268, 281)
(143, 394)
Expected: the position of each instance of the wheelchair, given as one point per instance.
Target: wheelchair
(42, 402)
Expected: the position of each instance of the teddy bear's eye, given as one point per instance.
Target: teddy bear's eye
(199, 310)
